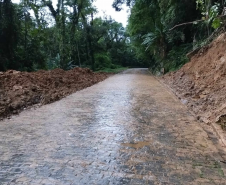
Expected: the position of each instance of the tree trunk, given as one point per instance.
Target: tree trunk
(79, 60)
(89, 40)
(63, 61)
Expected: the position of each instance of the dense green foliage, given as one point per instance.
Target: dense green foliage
(151, 22)
(37, 35)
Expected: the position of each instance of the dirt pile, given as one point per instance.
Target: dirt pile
(201, 83)
(19, 90)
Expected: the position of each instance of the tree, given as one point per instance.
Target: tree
(151, 22)
(9, 26)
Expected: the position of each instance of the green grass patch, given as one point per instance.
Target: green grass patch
(109, 70)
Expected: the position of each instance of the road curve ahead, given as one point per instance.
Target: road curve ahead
(128, 129)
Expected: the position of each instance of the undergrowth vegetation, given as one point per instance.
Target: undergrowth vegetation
(117, 69)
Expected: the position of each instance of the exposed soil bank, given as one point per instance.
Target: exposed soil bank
(201, 83)
(19, 90)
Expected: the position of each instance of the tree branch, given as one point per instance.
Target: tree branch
(51, 8)
(186, 23)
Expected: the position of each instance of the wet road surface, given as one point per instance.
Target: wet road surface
(128, 129)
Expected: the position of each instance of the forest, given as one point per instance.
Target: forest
(35, 35)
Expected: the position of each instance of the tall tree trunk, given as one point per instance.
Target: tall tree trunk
(63, 61)
(74, 24)
(25, 35)
(79, 60)
(89, 40)
(90, 43)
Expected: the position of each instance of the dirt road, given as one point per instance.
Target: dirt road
(128, 129)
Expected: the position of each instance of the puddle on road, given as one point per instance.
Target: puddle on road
(136, 145)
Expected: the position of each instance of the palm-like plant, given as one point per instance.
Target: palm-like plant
(155, 42)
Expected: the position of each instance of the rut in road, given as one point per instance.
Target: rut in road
(127, 129)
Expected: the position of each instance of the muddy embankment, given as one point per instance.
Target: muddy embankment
(201, 83)
(19, 90)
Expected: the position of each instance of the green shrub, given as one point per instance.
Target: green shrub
(102, 61)
(176, 57)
